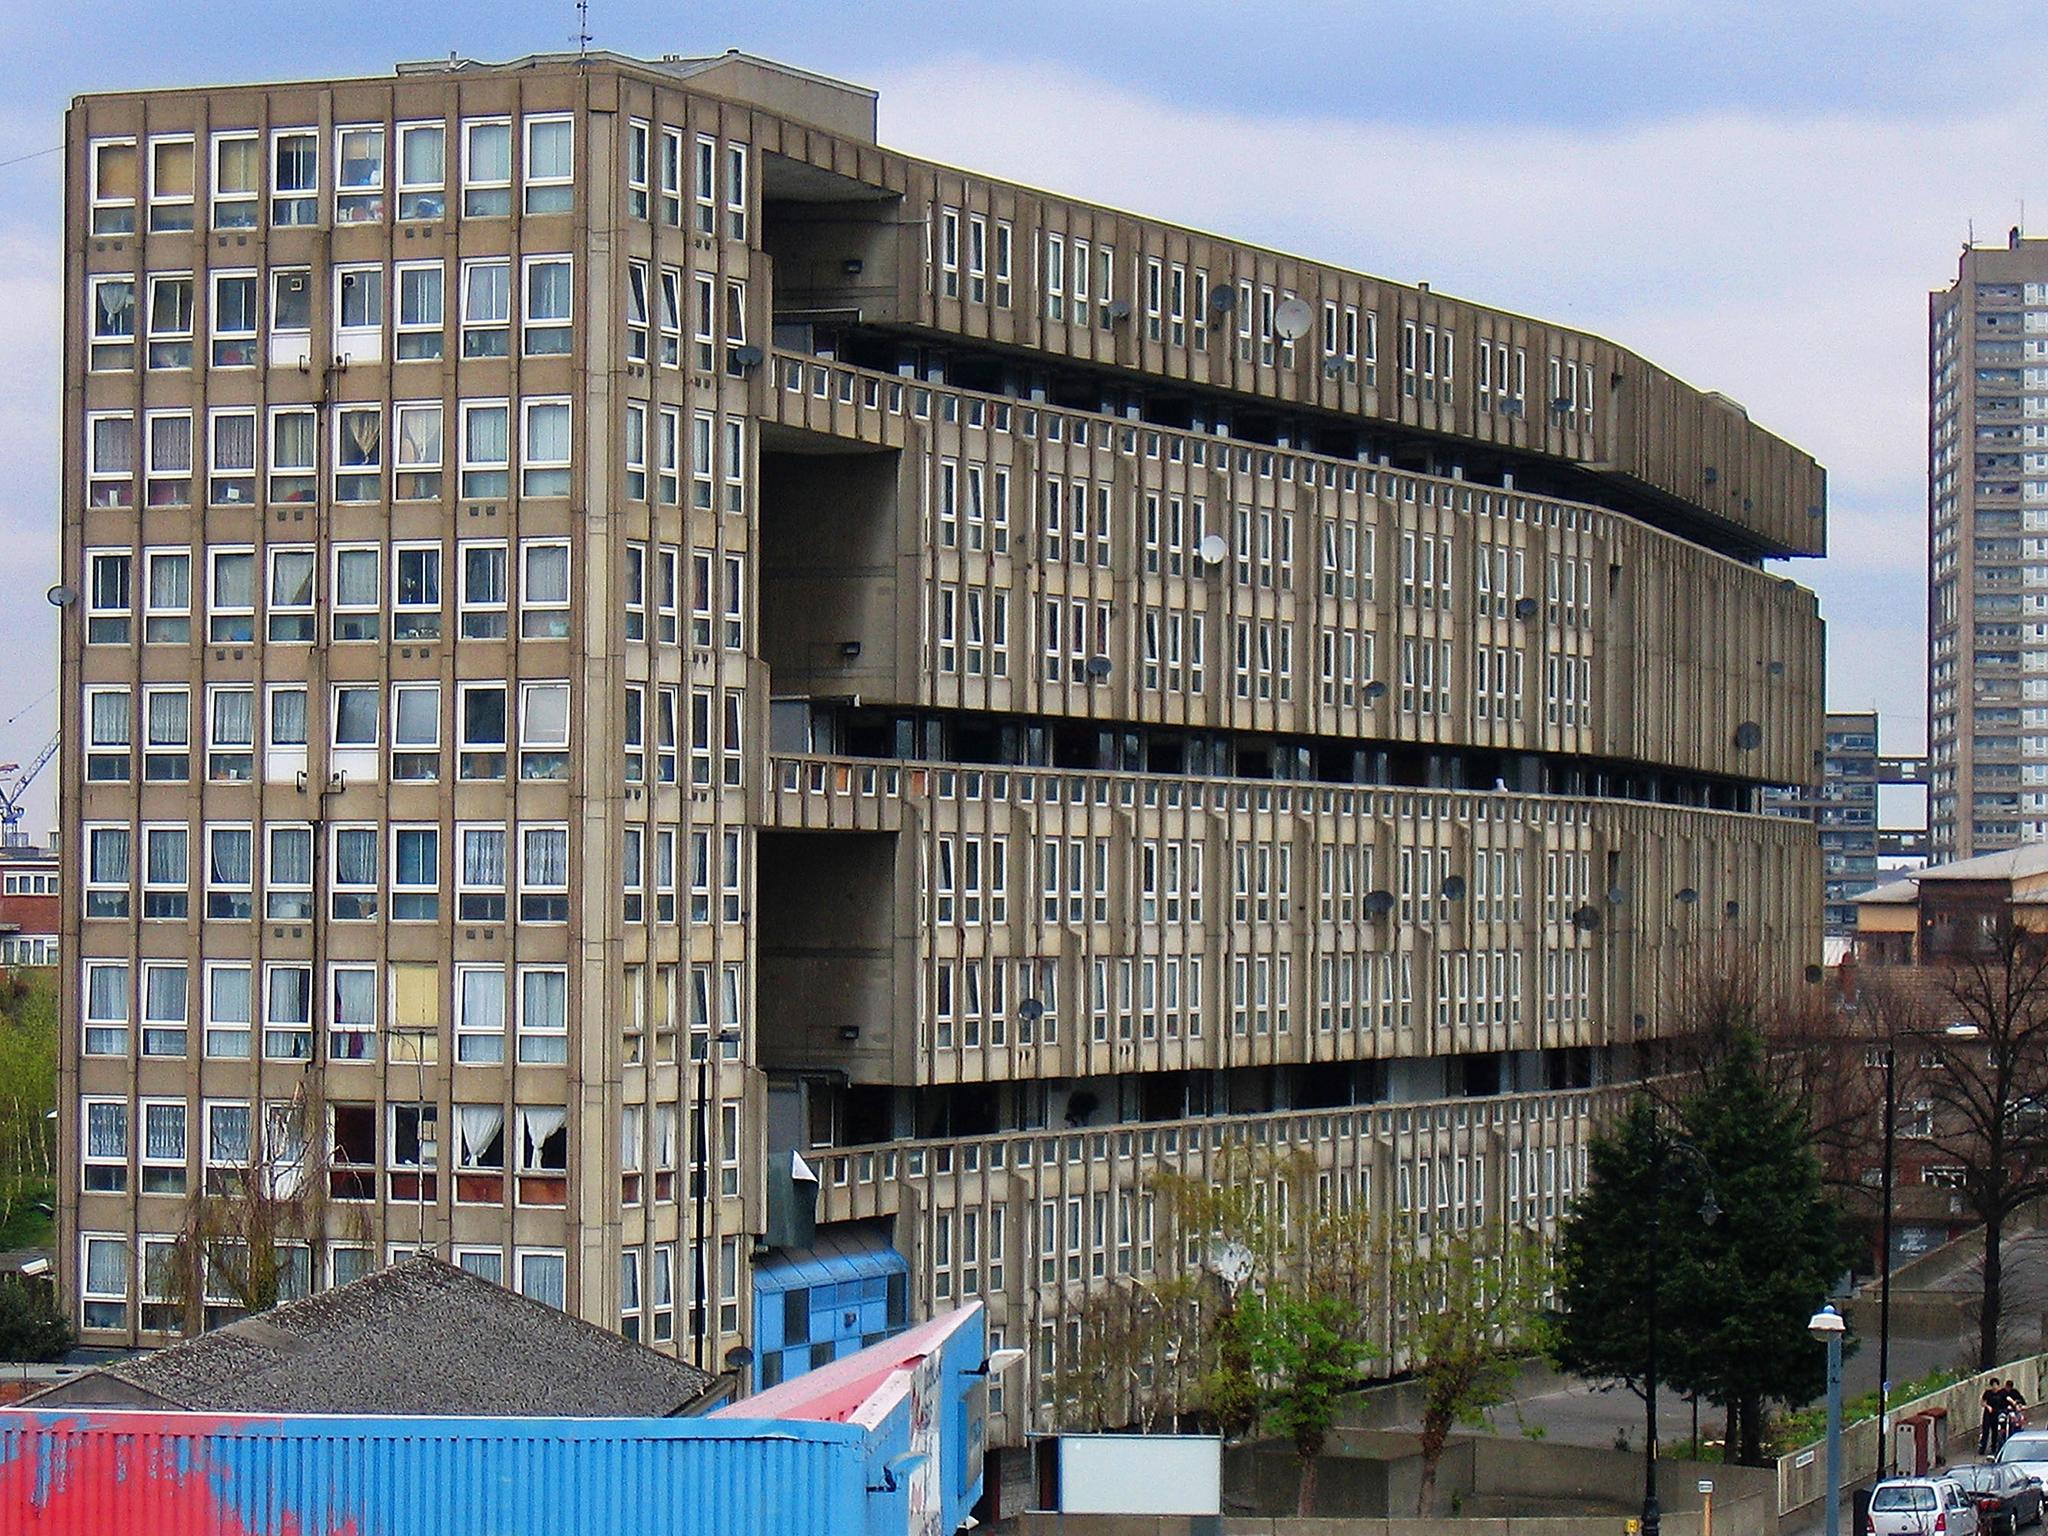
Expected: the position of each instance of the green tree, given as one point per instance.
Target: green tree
(1750, 1280)
(1733, 1293)
(1304, 1350)
(1472, 1305)
(32, 1328)
(28, 1092)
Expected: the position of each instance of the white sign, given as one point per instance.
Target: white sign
(1141, 1475)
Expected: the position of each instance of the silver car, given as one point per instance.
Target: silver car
(2027, 1450)
(1921, 1506)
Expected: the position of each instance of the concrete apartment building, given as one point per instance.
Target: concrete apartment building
(1845, 808)
(1987, 540)
(750, 732)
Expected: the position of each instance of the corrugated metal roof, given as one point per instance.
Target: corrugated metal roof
(117, 1473)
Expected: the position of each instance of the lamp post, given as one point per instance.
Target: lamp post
(1884, 1285)
(1710, 1211)
(1826, 1326)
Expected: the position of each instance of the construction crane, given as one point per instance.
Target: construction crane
(14, 782)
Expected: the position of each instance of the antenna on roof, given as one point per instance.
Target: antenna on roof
(582, 29)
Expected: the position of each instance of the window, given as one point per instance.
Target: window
(359, 313)
(633, 865)
(163, 1009)
(419, 454)
(229, 874)
(358, 175)
(550, 164)
(109, 719)
(109, 599)
(352, 1013)
(544, 874)
(486, 308)
(416, 592)
(103, 1281)
(543, 1275)
(487, 168)
(670, 317)
(415, 732)
(231, 477)
(636, 450)
(736, 191)
(107, 858)
(544, 590)
(483, 731)
(480, 891)
(227, 1012)
(287, 1013)
(170, 321)
(544, 731)
(231, 734)
(480, 1015)
(288, 873)
(636, 311)
(543, 1014)
(635, 596)
(486, 449)
(672, 177)
(545, 322)
(237, 180)
(359, 458)
(949, 253)
(352, 879)
(110, 459)
(113, 186)
(544, 448)
(294, 177)
(167, 735)
(112, 347)
(169, 468)
(422, 170)
(422, 308)
(106, 1008)
(358, 592)
(638, 136)
(163, 1146)
(167, 597)
(285, 757)
(294, 433)
(485, 591)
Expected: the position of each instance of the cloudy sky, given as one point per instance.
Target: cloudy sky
(1756, 196)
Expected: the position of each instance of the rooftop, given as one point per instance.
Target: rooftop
(2021, 863)
(421, 1337)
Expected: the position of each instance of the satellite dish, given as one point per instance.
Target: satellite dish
(1100, 667)
(747, 357)
(1748, 736)
(1453, 888)
(1223, 298)
(1586, 919)
(1375, 691)
(1776, 668)
(1212, 549)
(1232, 1263)
(1617, 895)
(1735, 909)
(1292, 318)
(1031, 1010)
(61, 596)
(1332, 367)
(1119, 311)
(1379, 903)
(1813, 975)
(1686, 896)
(1525, 607)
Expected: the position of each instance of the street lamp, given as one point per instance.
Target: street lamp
(1710, 1212)
(1884, 1285)
(1826, 1326)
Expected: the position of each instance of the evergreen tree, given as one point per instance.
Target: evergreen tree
(1733, 1294)
(32, 1329)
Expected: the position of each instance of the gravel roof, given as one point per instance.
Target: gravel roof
(421, 1337)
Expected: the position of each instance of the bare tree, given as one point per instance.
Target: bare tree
(249, 1226)
(1979, 1028)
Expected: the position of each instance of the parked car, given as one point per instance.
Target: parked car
(2027, 1451)
(1922, 1506)
(2007, 1497)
